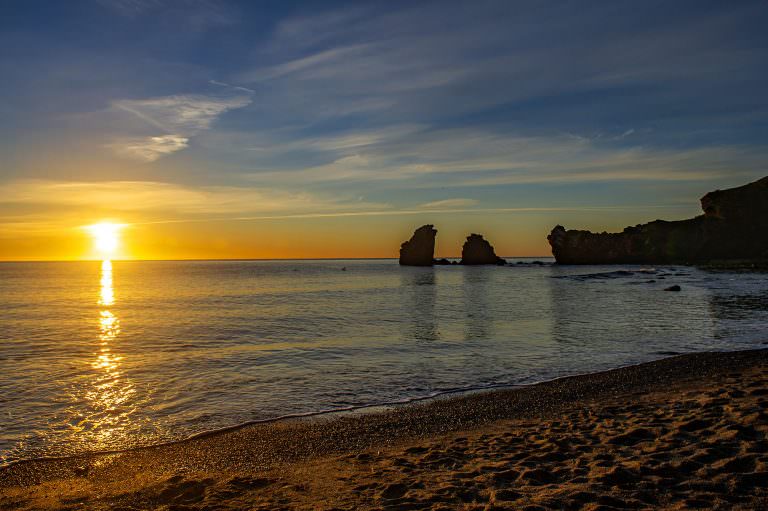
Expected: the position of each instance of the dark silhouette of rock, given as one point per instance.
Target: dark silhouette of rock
(420, 249)
(673, 288)
(442, 261)
(734, 227)
(476, 250)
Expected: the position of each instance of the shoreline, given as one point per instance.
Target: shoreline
(290, 446)
(353, 410)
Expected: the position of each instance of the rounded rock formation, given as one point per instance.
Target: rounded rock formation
(476, 251)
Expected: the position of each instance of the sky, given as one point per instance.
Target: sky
(280, 129)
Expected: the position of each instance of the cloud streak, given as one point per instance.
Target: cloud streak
(195, 14)
(449, 203)
(180, 117)
(492, 102)
(427, 61)
(476, 158)
(149, 149)
(186, 114)
(151, 196)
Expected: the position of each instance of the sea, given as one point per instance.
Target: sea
(110, 355)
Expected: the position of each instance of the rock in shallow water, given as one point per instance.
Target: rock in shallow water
(420, 249)
(476, 250)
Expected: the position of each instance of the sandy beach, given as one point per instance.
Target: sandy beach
(680, 433)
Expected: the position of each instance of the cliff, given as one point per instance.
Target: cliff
(420, 249)
(734, 226)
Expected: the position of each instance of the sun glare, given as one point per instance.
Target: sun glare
(106, 237)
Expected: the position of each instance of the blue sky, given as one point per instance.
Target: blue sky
(478, 114)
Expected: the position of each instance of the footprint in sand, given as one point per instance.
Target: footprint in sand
(506, 495)
(619, 476)
(504, 478)
(416, 450)
(694, 425)
(633, 437)
(538, 477)
(393, 491)
(178, 490)
(248, 483)
(738, 464)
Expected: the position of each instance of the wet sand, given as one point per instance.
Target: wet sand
(680, 433)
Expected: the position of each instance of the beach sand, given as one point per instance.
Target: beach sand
(681, 433)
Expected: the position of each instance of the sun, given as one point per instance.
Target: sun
(106, 237)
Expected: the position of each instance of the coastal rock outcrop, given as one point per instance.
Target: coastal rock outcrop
(420, 249)
(734, 227)
(477, 250)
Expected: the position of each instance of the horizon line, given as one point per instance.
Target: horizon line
(244, 259)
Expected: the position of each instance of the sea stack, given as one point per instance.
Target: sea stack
(733, 228)
(420, 249)
(476, 250)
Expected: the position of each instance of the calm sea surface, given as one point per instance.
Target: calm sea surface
(100, 356)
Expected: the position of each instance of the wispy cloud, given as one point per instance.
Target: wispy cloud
(149, 149)
(196, 14)
(180, 117)
(235, 87)
(150, 196)
(426, 60)
(474, 158)
(186, 114)
(493, 100)
(626, 133)
(449, 203)
(36, 225)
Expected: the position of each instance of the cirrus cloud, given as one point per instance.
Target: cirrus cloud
(449, 203)
(149, 149)
(179, 117)
(158, 196)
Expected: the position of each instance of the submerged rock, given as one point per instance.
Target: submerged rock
(420, 249)
(734, 227)
(673, 288)
(476, 250)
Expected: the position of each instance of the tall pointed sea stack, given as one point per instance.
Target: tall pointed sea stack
(476, 250)
(420, 249)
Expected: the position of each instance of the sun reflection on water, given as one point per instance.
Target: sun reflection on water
(107, 295)
(109, 325)
(110, 393)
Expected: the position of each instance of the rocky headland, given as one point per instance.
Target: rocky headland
(733, 228)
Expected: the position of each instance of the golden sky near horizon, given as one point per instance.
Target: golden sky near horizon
(513, 234)
(236, 129)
